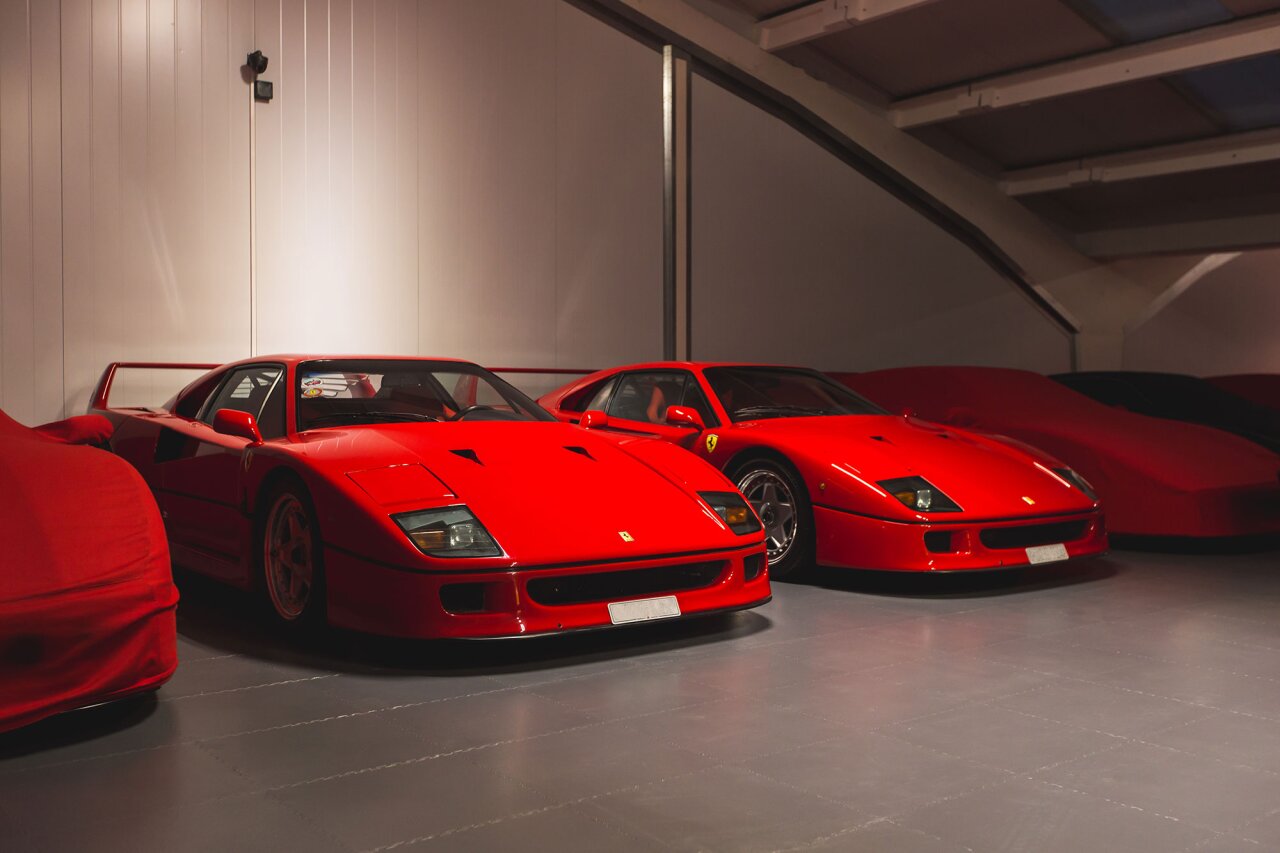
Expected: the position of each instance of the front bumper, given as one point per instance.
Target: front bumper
(378, 599)
(846, 540)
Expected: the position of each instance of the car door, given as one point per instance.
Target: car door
(640, 399)
(201, 472)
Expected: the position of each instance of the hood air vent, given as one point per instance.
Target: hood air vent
(468, 454)
(581, 451)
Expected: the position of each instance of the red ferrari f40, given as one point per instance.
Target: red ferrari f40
(836, 479)
(429, 498)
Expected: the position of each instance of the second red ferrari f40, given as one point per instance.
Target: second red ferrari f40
(839, 480)
(429, 498)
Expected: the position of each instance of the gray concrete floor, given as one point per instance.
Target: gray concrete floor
(1131, 703)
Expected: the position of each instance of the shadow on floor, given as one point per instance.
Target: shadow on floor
(227, 619)
(77, 726)
(1225, 545)
(982, 584)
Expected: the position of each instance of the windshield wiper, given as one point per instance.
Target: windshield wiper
(780, 410)
(389, 417)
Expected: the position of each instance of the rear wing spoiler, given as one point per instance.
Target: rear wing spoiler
(537, 381)
(101, 394)
(551, 371)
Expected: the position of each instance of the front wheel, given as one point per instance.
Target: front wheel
(292, 567)
(775, 491)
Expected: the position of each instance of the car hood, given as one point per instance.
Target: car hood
(550, 493)
(986, 477)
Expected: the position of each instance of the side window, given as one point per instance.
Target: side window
(246, 390)
(189, 405)
(592, 397)
(271, 420)
(695, 399)
(600, 399)
(646, 396)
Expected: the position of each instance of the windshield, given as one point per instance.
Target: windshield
(752, 393)
(342, 392)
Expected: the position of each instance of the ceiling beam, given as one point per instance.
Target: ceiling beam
(816, 20)
(1236, 149)
(1213, 235)
(1238, 39)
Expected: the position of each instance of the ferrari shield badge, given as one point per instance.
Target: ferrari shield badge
(712, 440)
(626, 537)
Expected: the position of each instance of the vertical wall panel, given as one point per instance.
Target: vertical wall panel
(440, 98)
(77, 171)
(798, 258)
(17, 295)
(336, 271)
(155, 219)
(401, 335)
(46, 212)
(608, 195)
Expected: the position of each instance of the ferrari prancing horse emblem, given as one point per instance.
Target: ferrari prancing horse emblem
(626, 537)
(712, 440)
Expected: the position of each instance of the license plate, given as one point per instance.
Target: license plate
(1047, 553)
(644, 609)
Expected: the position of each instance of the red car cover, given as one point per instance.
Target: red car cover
(1155, 477)
(1261, 388)
(87, 600)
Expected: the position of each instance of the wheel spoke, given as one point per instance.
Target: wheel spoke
(288, 557)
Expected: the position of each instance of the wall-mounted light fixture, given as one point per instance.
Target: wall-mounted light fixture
(256, 62)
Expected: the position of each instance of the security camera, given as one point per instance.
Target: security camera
(257, 62)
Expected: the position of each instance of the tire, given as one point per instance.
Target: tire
(291, 557)
(774, 489)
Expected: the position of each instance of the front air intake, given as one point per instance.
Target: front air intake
(618, 585)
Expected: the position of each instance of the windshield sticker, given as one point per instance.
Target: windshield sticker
(314, 380)
(313, 392)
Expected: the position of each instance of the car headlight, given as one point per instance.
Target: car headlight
(733, 510)
(1078, 481)
(919, 494)
(450, 531)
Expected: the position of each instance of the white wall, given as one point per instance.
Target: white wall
(448, 177)
(798, 258)
(1224, 323)
(436, 176)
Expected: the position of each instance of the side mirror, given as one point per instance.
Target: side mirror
(682, 416)
(593, 419)
(238, 424)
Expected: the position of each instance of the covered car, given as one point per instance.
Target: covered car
(1157, 477)
(417, 497)
(1179, 397)
(838, 480)
(1261, 388)
(87, 601)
